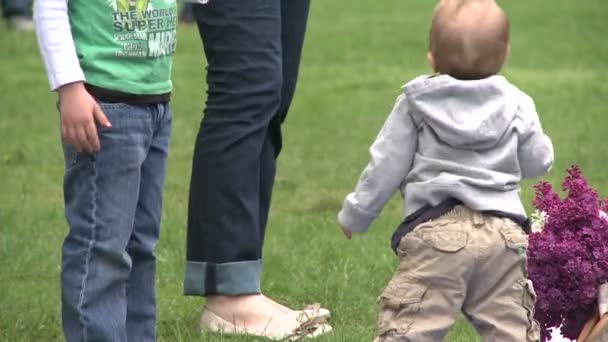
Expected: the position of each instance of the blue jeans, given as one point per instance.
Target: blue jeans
(113, 204)
(253, 51)
(21, 8)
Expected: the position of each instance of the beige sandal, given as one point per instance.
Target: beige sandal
(307, 328)
(310, 331)
(312, 314)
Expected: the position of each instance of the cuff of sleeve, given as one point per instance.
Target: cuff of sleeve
(62, 78)
(355, 220)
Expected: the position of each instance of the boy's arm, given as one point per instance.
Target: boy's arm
(56, 43)
(392, 155)
(79, 110)
(535, 150)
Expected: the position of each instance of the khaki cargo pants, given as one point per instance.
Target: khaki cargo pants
(462, 262)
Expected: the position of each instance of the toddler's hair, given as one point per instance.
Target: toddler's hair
(469, 38)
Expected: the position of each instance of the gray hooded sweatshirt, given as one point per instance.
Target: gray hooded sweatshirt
(469, 140)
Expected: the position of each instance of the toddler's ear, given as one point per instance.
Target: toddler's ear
(429, 57)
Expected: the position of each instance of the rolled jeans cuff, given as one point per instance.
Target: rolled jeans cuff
(230, 279)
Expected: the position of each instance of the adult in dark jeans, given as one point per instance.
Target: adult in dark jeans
(18, 14)
(253, 51)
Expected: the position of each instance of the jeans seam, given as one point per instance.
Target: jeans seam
(128, 250)
(88, 254)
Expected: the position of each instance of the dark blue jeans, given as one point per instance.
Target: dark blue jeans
(253, 51)
(113, 204)
(22, 8)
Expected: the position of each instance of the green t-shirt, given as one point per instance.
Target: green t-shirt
(125, 45)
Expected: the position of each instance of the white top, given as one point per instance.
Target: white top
(56, 42)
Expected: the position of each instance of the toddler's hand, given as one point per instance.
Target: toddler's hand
(79, 111)
(347, 233)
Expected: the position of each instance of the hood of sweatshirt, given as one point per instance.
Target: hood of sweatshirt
(464, 114)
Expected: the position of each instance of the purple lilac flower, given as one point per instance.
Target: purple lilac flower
(568, 259)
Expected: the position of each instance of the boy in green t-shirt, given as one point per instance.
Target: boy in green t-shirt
(110, 62)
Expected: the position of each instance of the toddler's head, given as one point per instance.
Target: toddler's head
(469, 38)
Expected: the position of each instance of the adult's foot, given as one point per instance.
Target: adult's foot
(279, 306)
(252, 313)
(310, 314)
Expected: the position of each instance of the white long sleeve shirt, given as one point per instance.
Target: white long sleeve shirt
(56, 42)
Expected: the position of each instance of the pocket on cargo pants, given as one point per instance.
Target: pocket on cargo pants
(517, 241)
(399, 304)
(528, 302)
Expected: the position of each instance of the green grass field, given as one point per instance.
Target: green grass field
(357, 55)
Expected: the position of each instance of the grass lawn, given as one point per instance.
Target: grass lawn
(357, 55)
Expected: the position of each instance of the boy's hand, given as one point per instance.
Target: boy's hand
(347, 233)
(79, 111)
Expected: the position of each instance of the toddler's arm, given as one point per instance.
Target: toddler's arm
(56, 43)
(392, 155)
(79, 110)
(535, 150)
